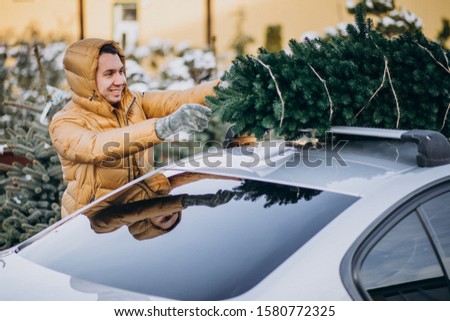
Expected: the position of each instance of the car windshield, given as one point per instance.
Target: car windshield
(206, 237)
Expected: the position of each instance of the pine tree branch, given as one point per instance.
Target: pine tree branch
(42, 81)
(326, 88)
(21, 106)
(276, 86)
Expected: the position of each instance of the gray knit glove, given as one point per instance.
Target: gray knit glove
(188, 117)
(211, 200)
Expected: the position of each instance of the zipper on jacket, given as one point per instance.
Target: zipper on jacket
(136, 171)
(128, 110)
(92, 96)
(128, 158)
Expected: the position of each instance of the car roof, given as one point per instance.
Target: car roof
(355, 161)
(355, 171)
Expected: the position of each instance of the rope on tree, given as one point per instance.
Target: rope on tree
(326, 89)
(276, 85)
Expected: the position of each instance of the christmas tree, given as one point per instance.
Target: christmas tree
(31, 182)
(363, 79)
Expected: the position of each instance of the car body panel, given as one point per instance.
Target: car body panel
(27, 281)
(383, 175)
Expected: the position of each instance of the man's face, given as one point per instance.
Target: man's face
(165, 221)
(110, 77)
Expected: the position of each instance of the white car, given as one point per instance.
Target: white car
(364, 217)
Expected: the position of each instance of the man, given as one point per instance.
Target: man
(153, 217)
(104, 135)
(147, 217)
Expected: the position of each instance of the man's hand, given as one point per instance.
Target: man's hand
(188, 117)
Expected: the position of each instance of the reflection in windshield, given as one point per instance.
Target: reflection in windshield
(273, 193)
(156, 215)
(229, 237)
(403, 265)
(153, 217)
(147, 212)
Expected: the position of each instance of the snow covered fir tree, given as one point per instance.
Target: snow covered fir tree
(31, 181)
(363, 79)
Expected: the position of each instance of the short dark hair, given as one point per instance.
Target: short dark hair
(172, 226)
(109, 48)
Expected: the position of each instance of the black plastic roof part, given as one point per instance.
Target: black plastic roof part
(433, 147)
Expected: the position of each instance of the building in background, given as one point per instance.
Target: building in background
(126, 25)
(136, 22)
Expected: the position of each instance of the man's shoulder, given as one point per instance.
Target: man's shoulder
(137, 95)
(70, 111)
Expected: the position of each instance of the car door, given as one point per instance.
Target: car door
(407, 255)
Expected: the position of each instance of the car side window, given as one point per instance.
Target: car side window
(407, 262)
(437, 214)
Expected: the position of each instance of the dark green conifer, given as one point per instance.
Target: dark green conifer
(365, 79)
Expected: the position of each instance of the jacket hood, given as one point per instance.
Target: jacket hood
(137, 215)
(80, 66)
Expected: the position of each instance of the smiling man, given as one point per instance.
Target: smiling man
(105, 134)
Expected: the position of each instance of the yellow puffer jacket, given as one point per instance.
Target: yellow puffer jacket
(101, 147)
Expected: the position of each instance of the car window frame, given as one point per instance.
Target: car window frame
(354, 257)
